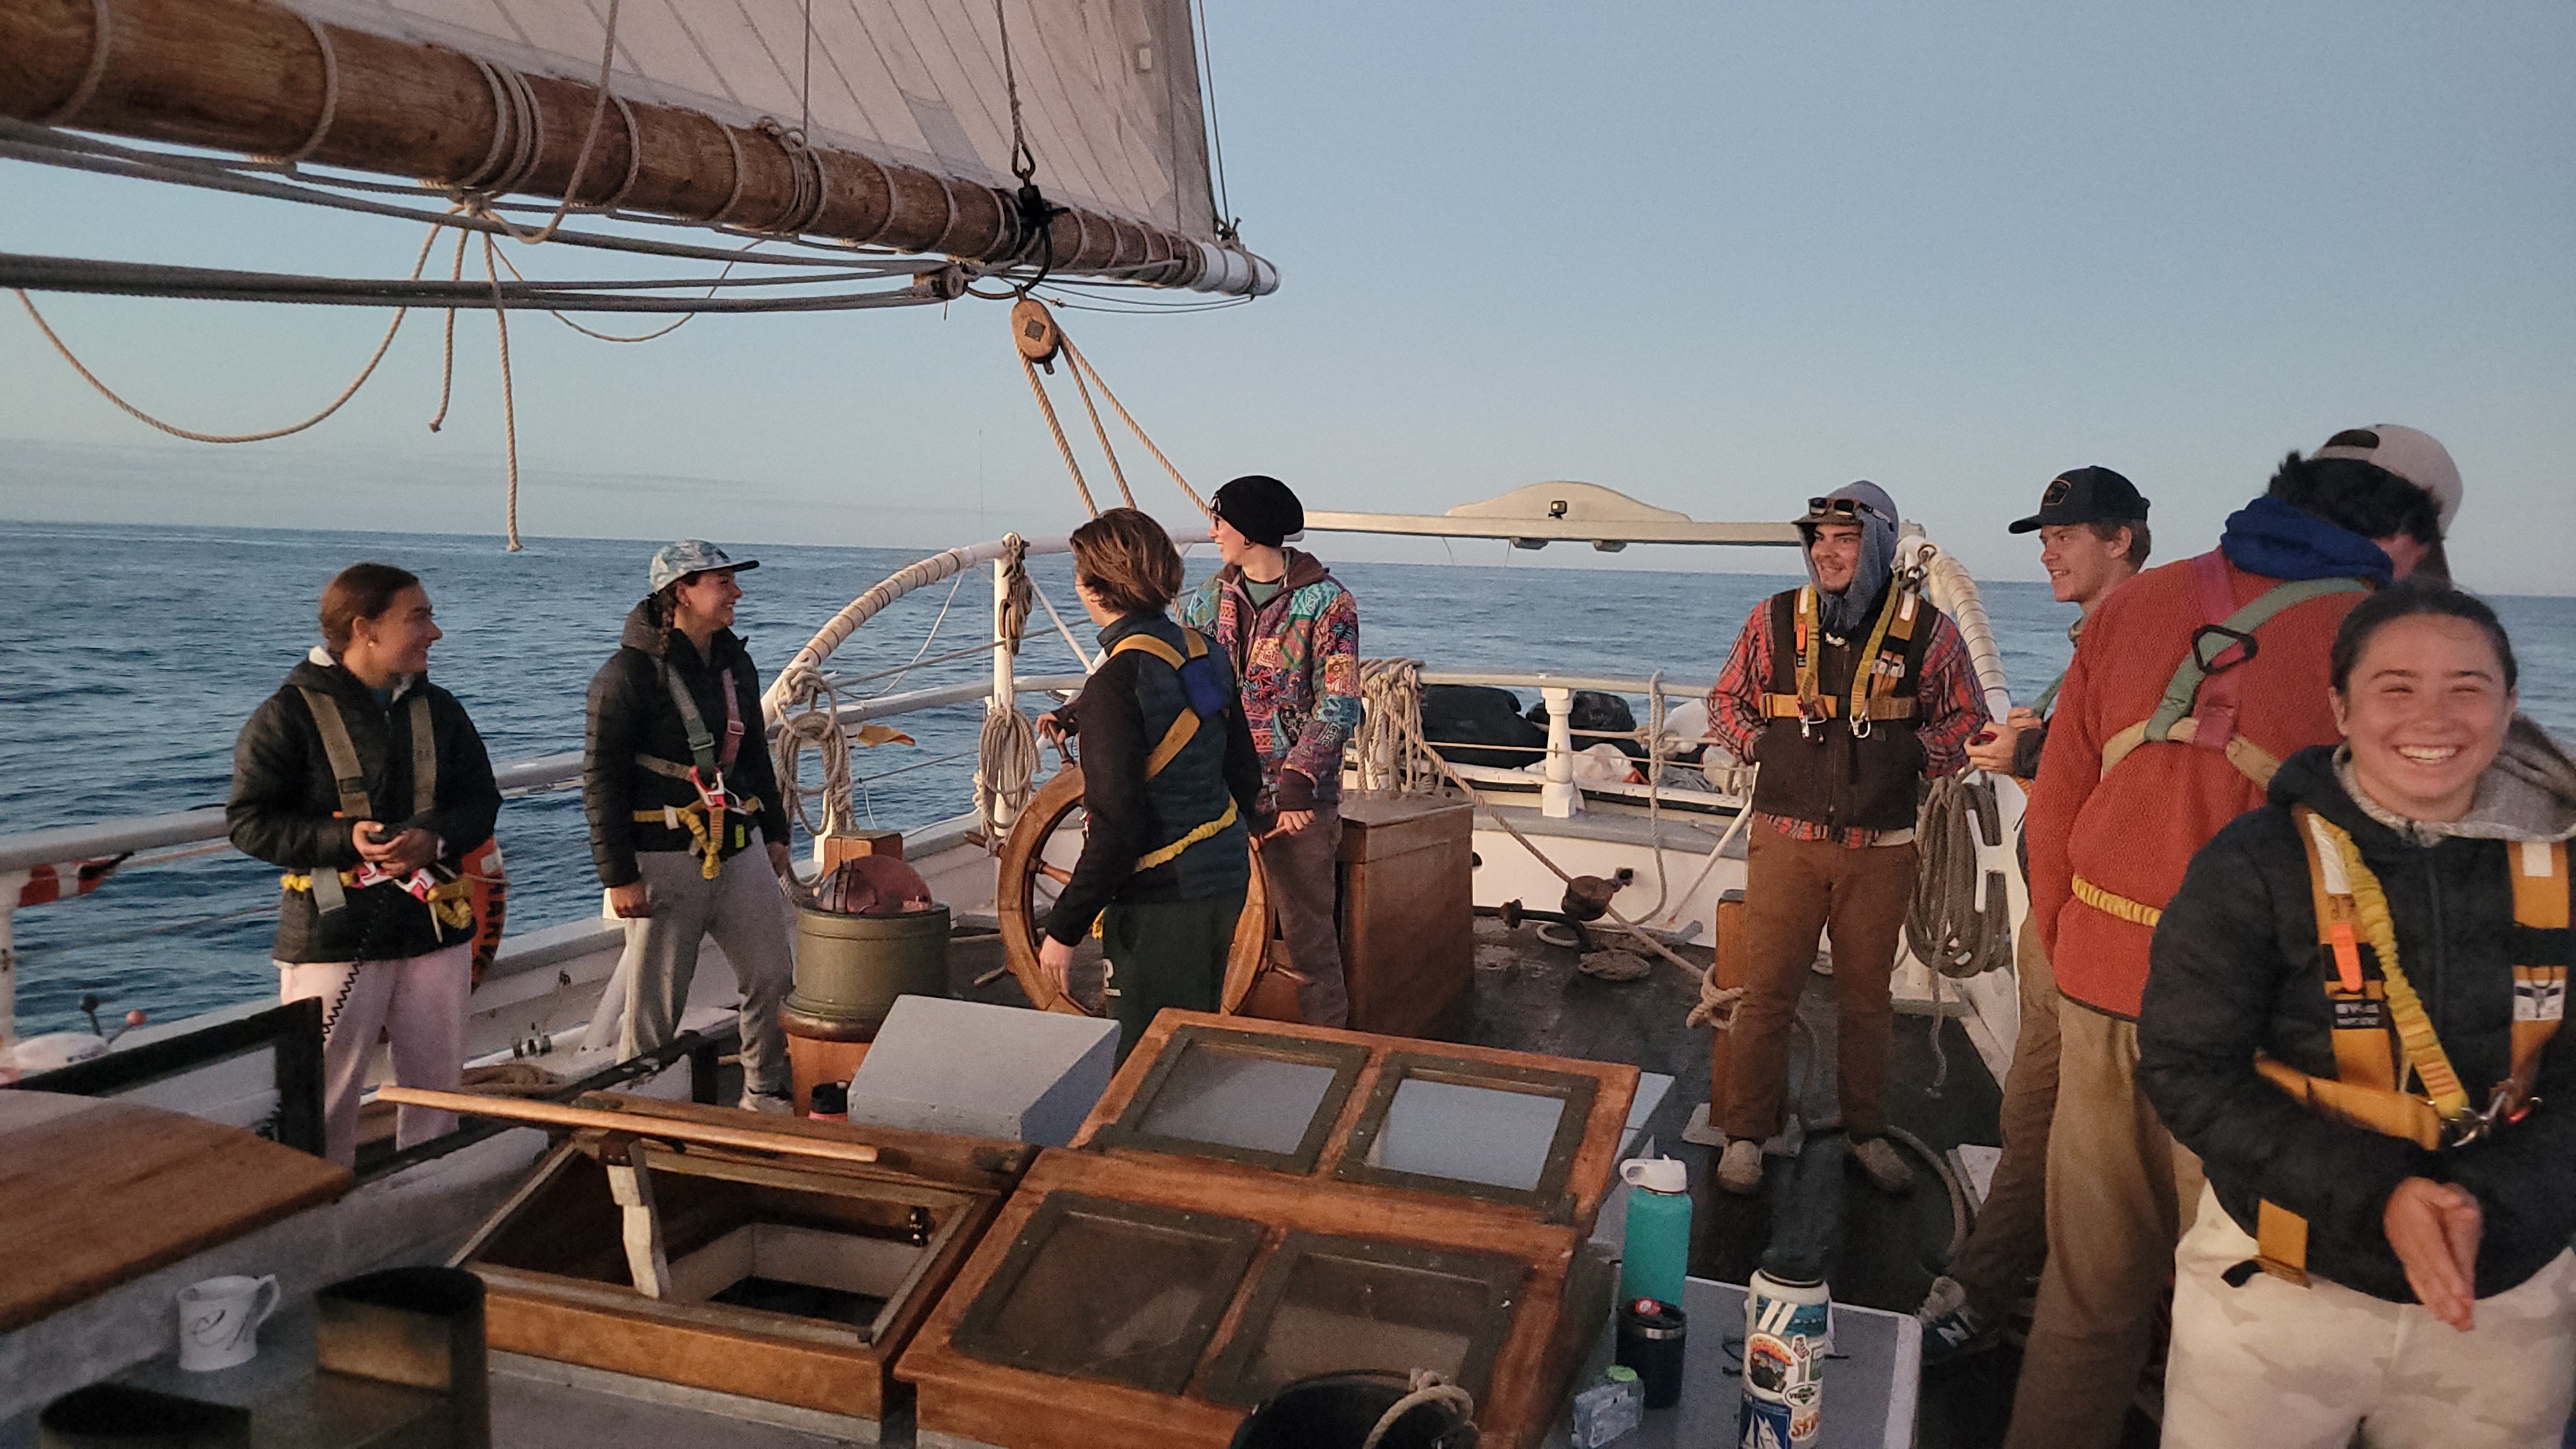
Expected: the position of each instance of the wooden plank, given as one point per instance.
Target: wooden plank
(675, 1129)
(519, 1318)
(96, 1192)
(902, 1155)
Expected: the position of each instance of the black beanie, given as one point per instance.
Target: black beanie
(1261, 509)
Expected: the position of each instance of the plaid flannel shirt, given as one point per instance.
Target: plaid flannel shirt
(1950, 710)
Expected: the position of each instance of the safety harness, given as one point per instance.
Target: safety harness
(1206, 694)
(2200, 700)
(704, 819)
(2384, 1041)
(450, 900)
(1874, 680)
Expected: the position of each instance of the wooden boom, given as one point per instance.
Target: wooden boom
(633, 1124)
(256, 78)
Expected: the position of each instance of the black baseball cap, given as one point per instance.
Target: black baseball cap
(2086, 495)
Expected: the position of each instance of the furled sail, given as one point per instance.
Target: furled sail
(1108, 89)
(888, 123)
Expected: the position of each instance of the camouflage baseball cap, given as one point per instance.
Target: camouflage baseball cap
(676, 561)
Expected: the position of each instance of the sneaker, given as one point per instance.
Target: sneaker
(1952, 1328)
(777, 1104)
(1739, 1171)
(1877, 1157)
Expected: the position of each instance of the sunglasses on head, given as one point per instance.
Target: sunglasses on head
(1850, 510)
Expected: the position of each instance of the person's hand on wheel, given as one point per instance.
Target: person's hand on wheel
(1055, 962)
(2434, 1227)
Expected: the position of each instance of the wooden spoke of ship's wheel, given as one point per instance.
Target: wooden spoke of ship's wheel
(1023, 865)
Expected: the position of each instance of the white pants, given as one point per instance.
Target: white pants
(420, 1002)
(2272, 1366)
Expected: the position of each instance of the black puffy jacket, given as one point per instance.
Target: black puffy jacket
(2235, 970)
(631, 713)
(284, 803)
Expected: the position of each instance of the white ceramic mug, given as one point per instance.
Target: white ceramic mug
(219, 1320)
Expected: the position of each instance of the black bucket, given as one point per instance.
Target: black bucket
(1337, 1411)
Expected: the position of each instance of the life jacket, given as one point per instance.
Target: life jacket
(474, 898)
(1206, 693)
(709, 758)
(2383, 1038)
(1839, 748)
(2199, 704)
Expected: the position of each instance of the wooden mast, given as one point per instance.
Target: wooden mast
(256, 78)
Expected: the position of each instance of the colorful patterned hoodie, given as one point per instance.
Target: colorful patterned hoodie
(1299, 660)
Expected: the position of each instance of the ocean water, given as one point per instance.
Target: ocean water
(129, 656)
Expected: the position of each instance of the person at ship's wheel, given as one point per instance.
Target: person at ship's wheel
(1170, 784)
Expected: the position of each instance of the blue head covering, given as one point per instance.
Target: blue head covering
(1846, 612)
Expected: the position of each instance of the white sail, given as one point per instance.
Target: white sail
(1109, 90)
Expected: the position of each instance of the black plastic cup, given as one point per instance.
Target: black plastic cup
(1651, 1335)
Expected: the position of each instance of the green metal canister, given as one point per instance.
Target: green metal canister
(849, 969)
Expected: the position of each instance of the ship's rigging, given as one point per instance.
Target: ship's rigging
(937, 152)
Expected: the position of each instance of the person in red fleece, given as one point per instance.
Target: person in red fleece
(2115, 816)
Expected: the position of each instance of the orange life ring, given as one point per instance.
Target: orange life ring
(1015, 887)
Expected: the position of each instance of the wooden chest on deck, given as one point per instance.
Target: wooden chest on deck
(1408, 918)
(774, 1275)
(1255, 1202)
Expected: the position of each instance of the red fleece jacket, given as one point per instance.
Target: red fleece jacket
(2132, 832)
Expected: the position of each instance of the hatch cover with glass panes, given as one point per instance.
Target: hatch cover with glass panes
(1409, 1205)
(1527, 1135)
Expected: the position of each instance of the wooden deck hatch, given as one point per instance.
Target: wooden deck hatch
(1255, 1202)
(780, 1276)
(1257, 1098)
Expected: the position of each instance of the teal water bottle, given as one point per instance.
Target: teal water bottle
(1657, 1251)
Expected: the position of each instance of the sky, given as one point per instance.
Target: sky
(1718, 256)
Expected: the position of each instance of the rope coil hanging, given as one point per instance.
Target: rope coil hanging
(1946, 924)
(1006, 752)
(1390, 754)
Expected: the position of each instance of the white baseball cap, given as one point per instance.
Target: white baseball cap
(2410, 453)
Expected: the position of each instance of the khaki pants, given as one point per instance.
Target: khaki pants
(2010, 1241)
(2270, 1366)
(743, 909)
(1299, 873)
(419, 1002)
(1795, 891)
(2120, 1193)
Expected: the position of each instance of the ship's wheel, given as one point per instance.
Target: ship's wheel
(1037, 863)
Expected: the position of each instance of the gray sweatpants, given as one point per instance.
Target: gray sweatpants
(743, 909)
(1298, 869)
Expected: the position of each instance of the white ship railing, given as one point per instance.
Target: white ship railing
(188, 833)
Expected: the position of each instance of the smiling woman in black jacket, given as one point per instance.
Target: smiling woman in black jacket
(375, 918)
(2353, 1018)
